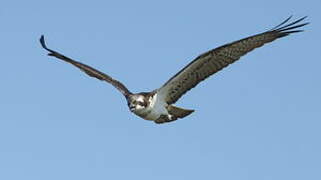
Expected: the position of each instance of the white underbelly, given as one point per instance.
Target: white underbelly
(155, 110)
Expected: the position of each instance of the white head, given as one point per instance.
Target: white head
(137, 102)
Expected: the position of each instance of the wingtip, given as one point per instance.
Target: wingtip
(304, 17)
(284, 25)
(42, 41)
(43, 44)
(290, 17)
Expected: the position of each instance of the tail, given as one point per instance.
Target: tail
(175, 113)
(178, 112)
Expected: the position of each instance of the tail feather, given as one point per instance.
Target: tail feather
(179, 112)
(174, 114)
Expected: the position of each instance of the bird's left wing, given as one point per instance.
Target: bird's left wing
(87, 69)
(214, 60)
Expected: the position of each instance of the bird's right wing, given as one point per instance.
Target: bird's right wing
(87, 69)
(214, 60)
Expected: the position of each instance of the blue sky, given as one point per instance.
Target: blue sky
(258, 119)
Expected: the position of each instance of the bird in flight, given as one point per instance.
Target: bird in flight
(157, 105)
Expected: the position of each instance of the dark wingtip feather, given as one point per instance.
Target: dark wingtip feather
(290, 24)
(285, 21)
(43, 44)
(286, 28)
(42, 41)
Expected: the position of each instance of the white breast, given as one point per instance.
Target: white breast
(156, 108)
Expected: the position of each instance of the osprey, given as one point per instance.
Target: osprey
(158, 105)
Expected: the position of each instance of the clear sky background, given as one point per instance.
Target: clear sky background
(259, 119)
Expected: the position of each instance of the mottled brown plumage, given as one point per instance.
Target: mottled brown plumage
(214, 60)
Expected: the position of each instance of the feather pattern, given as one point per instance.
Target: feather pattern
(214, 60)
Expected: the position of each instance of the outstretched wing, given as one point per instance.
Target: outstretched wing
(214, 60)
(87, 69)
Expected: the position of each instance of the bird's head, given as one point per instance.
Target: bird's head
(137, 102)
